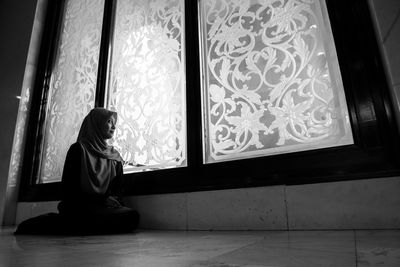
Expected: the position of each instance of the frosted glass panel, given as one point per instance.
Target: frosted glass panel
(73, 82)
(271, 79)
(147, 84)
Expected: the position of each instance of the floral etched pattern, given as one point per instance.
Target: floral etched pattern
(271, 79)
(19, 135)
(73, 82)
(147, 83)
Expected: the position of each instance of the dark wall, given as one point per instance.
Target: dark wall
(16, 20)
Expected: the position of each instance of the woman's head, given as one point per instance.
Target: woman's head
(98, 125)
(106, 121)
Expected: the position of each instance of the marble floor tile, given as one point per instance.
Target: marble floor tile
(378, 248)
(196, 245)
(308, 249)
(204, 248)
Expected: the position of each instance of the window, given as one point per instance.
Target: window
(272, 80)
(222, 94)
(71, 92)
(147, 83)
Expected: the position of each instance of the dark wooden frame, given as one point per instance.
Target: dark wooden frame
(376, 152)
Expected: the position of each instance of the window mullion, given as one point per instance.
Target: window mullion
(193, 93)
(105, 46)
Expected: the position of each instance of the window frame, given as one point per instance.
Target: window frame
(375, 152)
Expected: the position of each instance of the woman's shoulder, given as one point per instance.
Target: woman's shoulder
(76, 148)
(76, 145)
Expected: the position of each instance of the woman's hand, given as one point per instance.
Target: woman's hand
(112, 202)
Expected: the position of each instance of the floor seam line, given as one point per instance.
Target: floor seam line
(391, 27)
(286, 208)
(355, 247)
(187, 212)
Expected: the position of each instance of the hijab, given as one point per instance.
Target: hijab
(98, 160)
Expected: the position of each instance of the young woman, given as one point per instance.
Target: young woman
(92, 185)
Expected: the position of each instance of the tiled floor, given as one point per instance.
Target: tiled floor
(200, 249)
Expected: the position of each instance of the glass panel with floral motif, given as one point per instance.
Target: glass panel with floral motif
(271, 79)
(147, 84)
(73, 82)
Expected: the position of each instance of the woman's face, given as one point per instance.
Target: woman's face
(109, 127)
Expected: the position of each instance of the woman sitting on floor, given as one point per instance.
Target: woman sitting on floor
(92, 185)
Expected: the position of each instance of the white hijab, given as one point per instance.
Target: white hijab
(99, 160)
